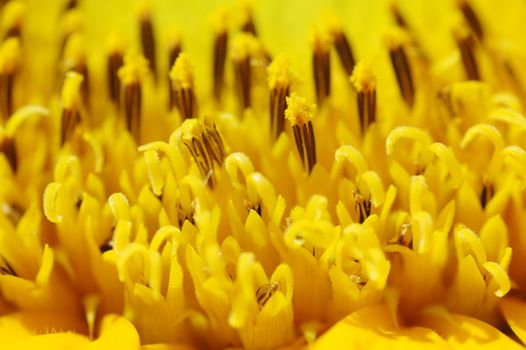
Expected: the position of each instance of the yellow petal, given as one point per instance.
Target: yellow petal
(373, 328)
(514, 310)
(116, 333)
(464, 332)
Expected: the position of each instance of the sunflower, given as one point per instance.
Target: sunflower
(273, 174)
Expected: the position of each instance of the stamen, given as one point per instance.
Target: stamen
(183, 87)
(8, 148)
(244, 48)
(247, 19)
(486, 193)
(148, 37)
(9, 65)
(265, 292)
(321, 64)
(401, 66)
(70, 5)
(444, 96)
(75, 60)
(71, 22)
(106, 246)
(205, 145)
(343, 47)
(174, 49)
(220, 51)
(364, 82)
(299, 113)
(13, 212)
(115, 62)
(7, 269)
(363, 206)
(358, 280)
(279, 81)
(12, 18)
(220, 27)
(466, 44)
(131, 74)
(471, 18)
(70, 105)
(398, 17)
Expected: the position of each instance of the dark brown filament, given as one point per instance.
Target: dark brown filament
(486, 194)
(472, 19)
(306, 145)
(366, 108)
(466, 45)
(7, 83)
(220, 52)
(343, 47)
(70, 120)
(148, 43)
(115, 62)
(132, 103)
(363, 207)
(321, 66)
(173, 53)
(184, 100)
(82, 69)
(404, 77)
(7, 269)
(278, 104)
(207, 149)
(243, 75)
(8, 148)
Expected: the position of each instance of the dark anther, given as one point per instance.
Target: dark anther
(7, 82)
(265, 292)
(8, 148)
(343, 47)
(305, 143)
(115, 62)
(472, 19)
(321, 67)
(243, 74)
(466, 44)
(205, 145)
(107, 245)
(363, 206)
(182, 85)
(132, 102)
(404, 77)
(486, 194)
(13, 212)
(148, 43)
(173, 54)
(7, 269)
(277, 109)
(220, 52)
